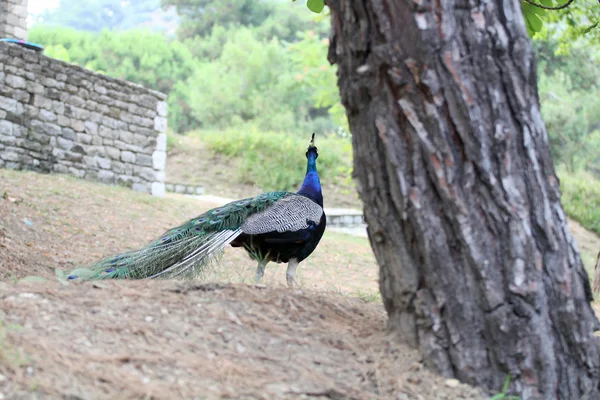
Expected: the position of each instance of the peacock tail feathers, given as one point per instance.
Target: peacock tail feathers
(184, 251)
(274, 226)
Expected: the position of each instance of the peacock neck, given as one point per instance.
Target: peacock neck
(311, 187)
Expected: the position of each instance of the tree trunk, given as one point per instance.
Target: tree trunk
(477, 266)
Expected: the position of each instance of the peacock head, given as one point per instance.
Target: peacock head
(312, 148)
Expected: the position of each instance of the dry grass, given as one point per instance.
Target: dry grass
(171, 339)
(187, 339)
(589, 245)
(183, 340)
(76, 222)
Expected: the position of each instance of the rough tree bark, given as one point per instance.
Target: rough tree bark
(478, 268)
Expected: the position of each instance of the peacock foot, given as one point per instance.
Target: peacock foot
(290, 281)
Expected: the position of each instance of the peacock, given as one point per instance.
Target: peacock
(281, 227)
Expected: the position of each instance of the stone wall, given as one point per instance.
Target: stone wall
(58, 117)
(184, 188)
(13, 19)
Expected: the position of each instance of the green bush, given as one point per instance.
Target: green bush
(272, 160)
(571, 117)
(249, 81)
(569, 92)
(309, 55)
(232, 76)
(581, 197)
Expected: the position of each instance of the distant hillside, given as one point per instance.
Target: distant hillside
(98, 15)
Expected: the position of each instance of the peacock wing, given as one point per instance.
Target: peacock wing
(291, 213)
(233, 215)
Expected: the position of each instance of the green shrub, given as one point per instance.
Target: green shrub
(581, 198)
(232, 76)
(251, 80)
(272, 160)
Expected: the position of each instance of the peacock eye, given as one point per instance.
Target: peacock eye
(201, 220)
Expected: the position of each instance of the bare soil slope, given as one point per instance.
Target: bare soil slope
(169, 339)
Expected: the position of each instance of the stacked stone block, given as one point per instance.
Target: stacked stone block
(58, 117)
(13, 19)
(184, 188)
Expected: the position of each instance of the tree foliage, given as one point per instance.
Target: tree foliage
(143, 57)
(273, 75)
(198, 17)
(570, 99)
(309, 55)
(569, 75)
(251, 80)
(315, 6)
(566, 21)
(272, 18)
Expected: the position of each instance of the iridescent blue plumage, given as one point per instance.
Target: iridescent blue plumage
(311, 187)
(274, 226)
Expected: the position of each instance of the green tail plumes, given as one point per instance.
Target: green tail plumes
(184, 251)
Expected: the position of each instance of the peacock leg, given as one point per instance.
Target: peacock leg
(260, 270)
(290, 274)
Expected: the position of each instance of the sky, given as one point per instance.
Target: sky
(37, 6)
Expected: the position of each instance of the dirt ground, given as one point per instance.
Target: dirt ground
(589, 245)
(169, 339)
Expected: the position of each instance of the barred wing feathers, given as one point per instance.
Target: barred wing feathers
(291, 213)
